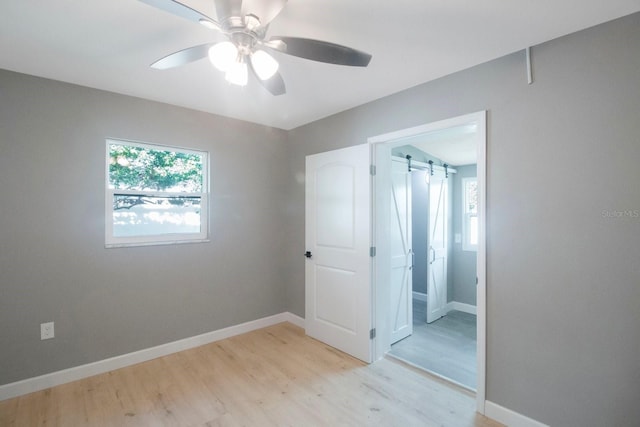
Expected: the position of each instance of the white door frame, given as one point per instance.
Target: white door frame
(380, 148)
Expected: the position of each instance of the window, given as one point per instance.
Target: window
(155, 194)
(470, 214)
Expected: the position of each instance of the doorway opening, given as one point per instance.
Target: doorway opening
(442, 274)
(429, 268)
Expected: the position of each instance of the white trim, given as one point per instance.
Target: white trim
(293, 319)
(509, 417)
(481, 261)
(380, 152)
(420, 296)
(29, 385)
(426, 128)
(452, 305)
(112, 241)
(460, 306)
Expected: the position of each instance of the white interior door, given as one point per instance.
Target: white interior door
(338, 264)
(401, 252)
(437, 252)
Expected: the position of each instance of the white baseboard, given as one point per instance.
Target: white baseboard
(460, 306)
(42, 382)
(419, 296)
(508, 417)
(292, 318)
(453, 305)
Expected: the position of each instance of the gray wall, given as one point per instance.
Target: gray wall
(107, 302)
(463, 263)
(563, 280)
(563, 272)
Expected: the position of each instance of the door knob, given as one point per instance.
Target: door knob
(307, 254)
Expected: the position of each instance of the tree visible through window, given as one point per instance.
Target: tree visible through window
(155, 194)
(470, 214)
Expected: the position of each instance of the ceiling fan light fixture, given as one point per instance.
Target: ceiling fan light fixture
(245, 25)
(238, 73)
(251, 22)
(264, 64)
(223, 55)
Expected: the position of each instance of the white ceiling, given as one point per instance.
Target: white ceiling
(109, 45)
(455, 146)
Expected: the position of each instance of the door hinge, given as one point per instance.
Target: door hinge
(372, 170)
(372, 251)
(372, 333)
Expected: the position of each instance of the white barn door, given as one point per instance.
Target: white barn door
(437, 252)
(338, 264)
(401, 285)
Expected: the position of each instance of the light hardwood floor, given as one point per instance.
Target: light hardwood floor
(275, 376)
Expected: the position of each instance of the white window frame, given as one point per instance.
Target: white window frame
(466, 217)
(112, 241)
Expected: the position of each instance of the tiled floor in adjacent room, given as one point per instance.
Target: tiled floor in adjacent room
(446, 347)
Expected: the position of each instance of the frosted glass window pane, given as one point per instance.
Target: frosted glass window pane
(150, 216)
(473, 230)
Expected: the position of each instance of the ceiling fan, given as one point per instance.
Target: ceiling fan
(246, 47)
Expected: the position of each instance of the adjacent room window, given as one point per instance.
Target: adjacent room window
(470, 214)
(155, 194)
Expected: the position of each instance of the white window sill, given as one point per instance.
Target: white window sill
(172, 242)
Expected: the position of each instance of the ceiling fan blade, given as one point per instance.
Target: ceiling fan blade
(227, 8)
(275, 84)
(182, 57)
(321, 51)
(181, 10)
(265, 10)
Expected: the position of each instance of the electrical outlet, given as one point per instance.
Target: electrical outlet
(46, 331)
